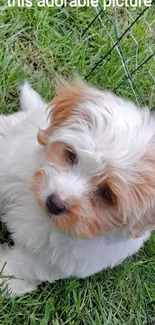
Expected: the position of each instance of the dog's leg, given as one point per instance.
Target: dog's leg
(17, 275)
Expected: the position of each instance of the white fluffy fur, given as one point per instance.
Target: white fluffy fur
(41, 252)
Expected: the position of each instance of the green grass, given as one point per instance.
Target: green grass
(35, 44)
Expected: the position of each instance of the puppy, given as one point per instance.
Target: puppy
(77, 185)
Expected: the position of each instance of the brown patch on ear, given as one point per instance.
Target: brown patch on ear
(116, 185)
(63, 85)
(117, 207)
(136, 200)
(112, 211)
(66, 103)
(62, 107)
(143, 195)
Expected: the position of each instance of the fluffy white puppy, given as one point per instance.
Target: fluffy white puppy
(78, 196)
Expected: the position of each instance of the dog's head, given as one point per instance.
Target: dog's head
(99, 167)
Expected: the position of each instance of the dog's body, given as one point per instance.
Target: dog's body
(42, 251)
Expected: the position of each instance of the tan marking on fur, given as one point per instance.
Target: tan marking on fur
(113, 212)
(87, 216)
(43, 136)
(56, 153)
(90, 216)
(143, 194)
(133, 197)
(80, 221)
(62, 107)
(38, 184)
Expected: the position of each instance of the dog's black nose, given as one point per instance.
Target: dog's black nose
(55, 205)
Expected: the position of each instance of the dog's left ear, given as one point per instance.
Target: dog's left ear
(62, 106)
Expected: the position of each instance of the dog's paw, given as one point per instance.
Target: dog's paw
(11, 287)
(13, 281)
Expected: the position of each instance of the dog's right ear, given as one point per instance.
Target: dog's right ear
(29, 98)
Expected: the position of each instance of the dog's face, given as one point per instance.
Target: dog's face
(98, 171)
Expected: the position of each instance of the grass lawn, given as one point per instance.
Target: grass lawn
(35, 43)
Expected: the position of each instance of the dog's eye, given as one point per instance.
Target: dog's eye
(71, 157)
(107, 194)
